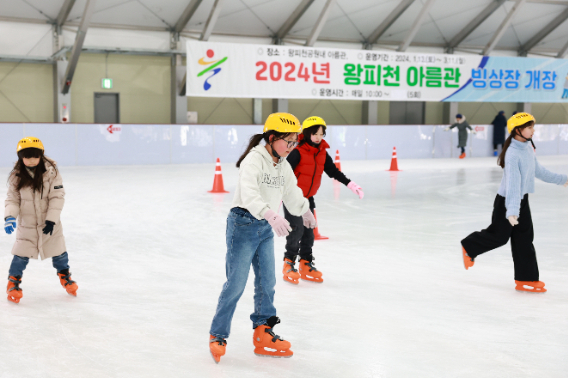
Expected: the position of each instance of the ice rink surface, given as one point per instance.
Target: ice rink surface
(147, 248)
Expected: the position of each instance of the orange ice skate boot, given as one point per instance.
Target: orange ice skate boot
(13, 290)
(217, 346)
(467, 261)
(462, 156)
(309, 272)
(532, 286)
(67, 283)
(290, 273)
(266, 343)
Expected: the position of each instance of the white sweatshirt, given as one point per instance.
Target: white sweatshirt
(262, 185)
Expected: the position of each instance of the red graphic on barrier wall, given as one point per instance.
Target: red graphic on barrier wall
(111, 129)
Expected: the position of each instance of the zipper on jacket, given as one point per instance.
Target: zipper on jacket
(315, 170)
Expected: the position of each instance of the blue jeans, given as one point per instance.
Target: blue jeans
(249, 241)
(19, 264)
(565, 93)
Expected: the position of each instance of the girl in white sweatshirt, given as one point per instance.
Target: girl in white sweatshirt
(265, 179)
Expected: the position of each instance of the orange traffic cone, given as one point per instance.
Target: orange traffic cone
(337, 160)
(317, 235)
(394, 163)
(218, 182)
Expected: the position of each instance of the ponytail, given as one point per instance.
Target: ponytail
(253, 142)
(515, 131)
(501, 158)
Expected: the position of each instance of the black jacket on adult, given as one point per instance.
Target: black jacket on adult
(499, 125)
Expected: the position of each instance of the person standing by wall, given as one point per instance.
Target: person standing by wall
(565, 93)
(499, 125)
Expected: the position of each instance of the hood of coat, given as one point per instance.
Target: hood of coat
(500, 118)
(51, 171)
(261, 149)
(462, 119)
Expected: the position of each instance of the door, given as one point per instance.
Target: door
(406, 112)
(107, 108)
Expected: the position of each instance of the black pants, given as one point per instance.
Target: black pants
(301, 240)
(462, 149)
(499, 232)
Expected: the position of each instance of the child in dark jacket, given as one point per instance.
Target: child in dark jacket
(309, 161)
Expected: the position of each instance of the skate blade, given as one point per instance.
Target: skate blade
(261, 352)
(216, 358)
(292, 281)
(533, 290)
(313, 279)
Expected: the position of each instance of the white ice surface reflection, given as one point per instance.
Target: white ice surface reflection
(147, 248)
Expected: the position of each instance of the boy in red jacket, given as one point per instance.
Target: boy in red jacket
(309, 160)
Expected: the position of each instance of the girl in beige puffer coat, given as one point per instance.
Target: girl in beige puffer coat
(35, 199)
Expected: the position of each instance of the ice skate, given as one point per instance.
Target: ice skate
(217, 346)
(67, 283)
(290, 272)
(13, 290)
(267, 343)
(462, 156)
(531, 286)
(309, 272)
(467, 261)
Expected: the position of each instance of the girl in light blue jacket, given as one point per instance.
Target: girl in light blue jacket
(511, 212)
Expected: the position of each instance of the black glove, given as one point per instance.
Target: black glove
(48, 229)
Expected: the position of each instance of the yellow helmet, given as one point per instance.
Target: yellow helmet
(519, 119)
(30, 142)
(313, 121)
(283, 123)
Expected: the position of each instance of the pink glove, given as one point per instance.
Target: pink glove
(279, 224)
(356, 189)
(309, 220)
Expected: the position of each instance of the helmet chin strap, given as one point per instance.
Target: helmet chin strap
(274, 153)
(528, 140)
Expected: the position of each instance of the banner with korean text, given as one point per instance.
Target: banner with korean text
(275, 71)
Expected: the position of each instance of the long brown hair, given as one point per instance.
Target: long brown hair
(24, 179)
(515, 131)
(307, 134)
(257, 138)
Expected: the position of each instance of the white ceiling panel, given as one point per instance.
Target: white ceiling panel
(364, 16)
(349, 20)
(557, 39)
(32, 9)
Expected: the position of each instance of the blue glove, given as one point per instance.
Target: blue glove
(10, 225)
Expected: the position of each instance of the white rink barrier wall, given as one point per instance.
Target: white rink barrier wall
(97, 144)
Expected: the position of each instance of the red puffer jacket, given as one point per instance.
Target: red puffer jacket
(310, 169)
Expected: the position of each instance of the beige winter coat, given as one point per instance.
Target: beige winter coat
(32, 209)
